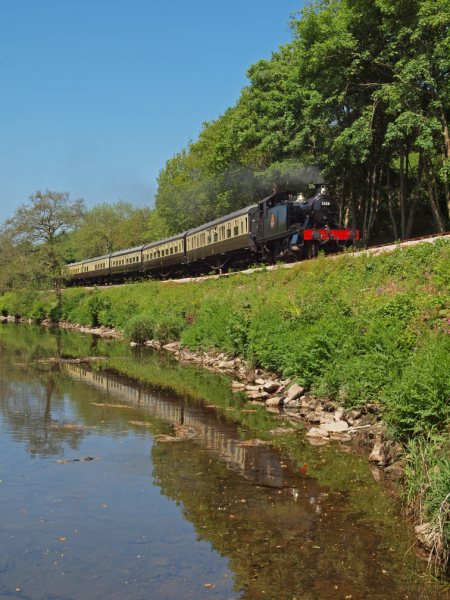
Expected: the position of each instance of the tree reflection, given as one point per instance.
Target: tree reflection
(30, 393)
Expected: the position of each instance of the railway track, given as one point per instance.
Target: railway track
(379, 249)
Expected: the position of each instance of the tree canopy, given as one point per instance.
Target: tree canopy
(38, 227)
(362, 93)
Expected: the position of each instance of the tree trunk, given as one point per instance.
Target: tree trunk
(390, 198)
(378, 176)
(402, 192)
(446, 157)
(368, 198)
(412, 208)
(434, 201)
(353, 206)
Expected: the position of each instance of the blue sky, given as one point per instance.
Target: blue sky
(96, 95)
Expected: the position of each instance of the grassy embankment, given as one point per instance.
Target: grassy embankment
(358, 330)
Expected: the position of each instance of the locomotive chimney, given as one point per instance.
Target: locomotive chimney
(320, 188)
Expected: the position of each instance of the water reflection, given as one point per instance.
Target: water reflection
(148, 513)
(260, 465)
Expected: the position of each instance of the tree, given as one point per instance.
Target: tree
(109, 227)
(41, 224)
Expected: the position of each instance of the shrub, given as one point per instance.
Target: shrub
(427, 489)
(97, 303)
(140, 328)
(168, 328)
(419, 401)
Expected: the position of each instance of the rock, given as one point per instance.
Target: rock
(271, 386)
(338, 414)
(317, 432)
(377, 473)
(225, 364)
(292, 402)
(257, 395)
(385, 452)
(377, 454)
(351, 416)
(237, 385)
(341, 437)
(133, 344)
(153, 344)
(305, 401)
(259, 382)
(395, 471)
(172, 347)
(293, 415)
(274, 401)
(428, 536)
(335, 427)
(326, 417)
(328, 406)
(313, 403)
(295, 391)
(314, 417)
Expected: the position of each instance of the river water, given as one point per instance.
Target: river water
(97, 502)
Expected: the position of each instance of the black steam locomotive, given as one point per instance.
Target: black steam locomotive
(283, 226)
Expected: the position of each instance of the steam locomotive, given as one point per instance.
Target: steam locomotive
(283, 226)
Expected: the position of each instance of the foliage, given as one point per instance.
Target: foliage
(140, 328)
(361, 92)
(418, 402)
(427, 490)
(108, 227)
(38, 229)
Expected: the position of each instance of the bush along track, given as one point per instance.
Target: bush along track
(365, 339)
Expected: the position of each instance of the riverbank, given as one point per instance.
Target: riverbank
(370, 330)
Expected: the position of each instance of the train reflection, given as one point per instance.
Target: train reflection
(257, 463)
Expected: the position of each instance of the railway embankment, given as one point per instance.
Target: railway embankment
(356, 346)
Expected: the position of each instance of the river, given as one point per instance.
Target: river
(97, 501)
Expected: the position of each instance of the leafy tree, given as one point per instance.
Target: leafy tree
(108, 227)
(39, 227)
